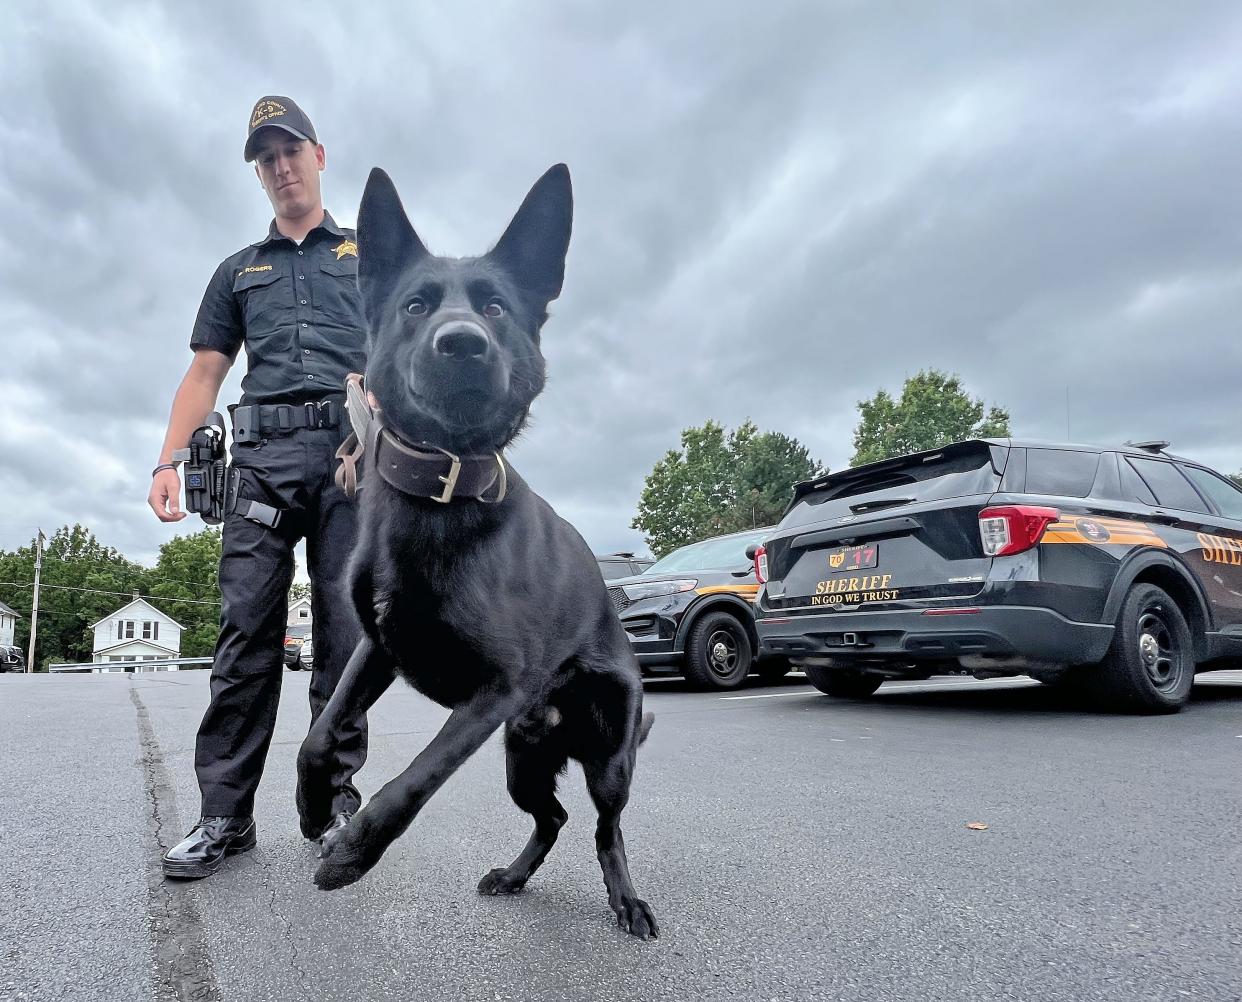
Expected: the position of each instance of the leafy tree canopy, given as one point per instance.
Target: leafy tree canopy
(716, 484)
(934, 410)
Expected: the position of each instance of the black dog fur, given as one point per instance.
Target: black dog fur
(497, 611)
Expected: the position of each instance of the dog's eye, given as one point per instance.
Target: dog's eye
(416, 307)
(494, 309)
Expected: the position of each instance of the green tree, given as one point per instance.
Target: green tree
(934, 410)
(298, 591)
(185, 576)
(716, 484)
(83, 581)
(1236, 478)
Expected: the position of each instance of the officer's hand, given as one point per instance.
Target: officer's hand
(165, 496)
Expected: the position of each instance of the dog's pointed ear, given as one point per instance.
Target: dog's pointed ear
(534, 246)
(387, 243)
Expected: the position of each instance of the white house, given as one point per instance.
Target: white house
(8, 623)
(299, 612)
(136, 632)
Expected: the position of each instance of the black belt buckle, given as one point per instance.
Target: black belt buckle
(322, 414)
(284, 418)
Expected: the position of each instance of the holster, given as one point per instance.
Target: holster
(255, 511)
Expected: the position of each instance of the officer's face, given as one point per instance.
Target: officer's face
(288, 168)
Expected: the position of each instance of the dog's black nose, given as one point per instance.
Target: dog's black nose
(462, 340)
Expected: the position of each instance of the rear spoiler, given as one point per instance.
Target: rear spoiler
(872, 470)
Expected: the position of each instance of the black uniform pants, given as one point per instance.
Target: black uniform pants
(294, 473)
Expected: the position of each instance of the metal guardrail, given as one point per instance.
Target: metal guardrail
(136, 666)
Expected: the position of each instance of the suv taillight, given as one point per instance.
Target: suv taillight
(1013, 528)
(761, 564)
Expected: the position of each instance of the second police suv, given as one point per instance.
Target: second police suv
(1115, 571)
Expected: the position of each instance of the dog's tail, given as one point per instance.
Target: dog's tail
(644, 726)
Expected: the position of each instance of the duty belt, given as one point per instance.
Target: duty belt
(257, 421)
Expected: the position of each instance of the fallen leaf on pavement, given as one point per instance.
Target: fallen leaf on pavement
(977, 826)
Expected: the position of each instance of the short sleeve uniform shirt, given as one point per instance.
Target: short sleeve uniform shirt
(296, 310)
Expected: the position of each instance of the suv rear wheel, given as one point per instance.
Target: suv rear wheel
(1150, 666)
(718, 652)
(843, 683)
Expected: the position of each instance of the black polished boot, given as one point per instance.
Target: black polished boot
(335, 827)
(201, 852)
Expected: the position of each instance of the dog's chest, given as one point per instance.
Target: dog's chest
(420, 631)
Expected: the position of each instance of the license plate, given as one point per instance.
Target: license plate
(853, 558)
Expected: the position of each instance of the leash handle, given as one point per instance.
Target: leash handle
(361, 417)
(349, 453)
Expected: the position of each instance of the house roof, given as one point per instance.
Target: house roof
(135, 640)
(300, 601)
(9, 612)
(129, 605)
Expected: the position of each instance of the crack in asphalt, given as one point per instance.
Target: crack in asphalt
(294, 958)
(183, 968)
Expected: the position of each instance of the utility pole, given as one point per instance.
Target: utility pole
(34, 608)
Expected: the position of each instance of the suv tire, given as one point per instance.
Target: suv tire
(1150, 667)
(843, 683)
(718, 652)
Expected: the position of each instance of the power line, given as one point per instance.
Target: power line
(100, 591)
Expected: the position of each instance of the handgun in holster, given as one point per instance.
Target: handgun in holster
(204, 470)
(212, 487)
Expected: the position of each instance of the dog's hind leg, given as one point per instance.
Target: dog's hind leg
(533, 765)
(608, 780)
(609, 784)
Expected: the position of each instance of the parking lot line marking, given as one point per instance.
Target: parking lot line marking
(965, 683)
(920, 684)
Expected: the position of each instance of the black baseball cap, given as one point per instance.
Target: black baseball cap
(282, 113)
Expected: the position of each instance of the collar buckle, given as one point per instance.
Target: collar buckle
(450, 481)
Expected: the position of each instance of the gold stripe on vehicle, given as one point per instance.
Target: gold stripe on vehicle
(1120, 533)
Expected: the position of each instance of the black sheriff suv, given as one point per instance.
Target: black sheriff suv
(690, 613)
(1115, 571)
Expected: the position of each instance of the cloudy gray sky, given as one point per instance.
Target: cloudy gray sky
(780, 208)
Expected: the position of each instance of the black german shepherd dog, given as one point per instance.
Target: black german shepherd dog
(495, 610)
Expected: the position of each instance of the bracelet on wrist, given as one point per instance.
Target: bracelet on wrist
(163, 466)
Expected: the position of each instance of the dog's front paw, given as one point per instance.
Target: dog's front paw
(501, 881)
(349, 854)
(635, 916)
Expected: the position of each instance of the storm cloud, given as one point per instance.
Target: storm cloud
(780, 208)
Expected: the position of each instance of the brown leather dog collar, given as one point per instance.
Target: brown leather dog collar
(425, 470)
(428, 471)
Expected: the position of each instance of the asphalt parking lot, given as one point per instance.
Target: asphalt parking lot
(792, 846)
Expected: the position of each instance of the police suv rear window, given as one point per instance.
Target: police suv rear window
(1170, 487)
(1060, 472)
(1132, 486)
(1224, 493)
(616, 569)
(959, 471)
